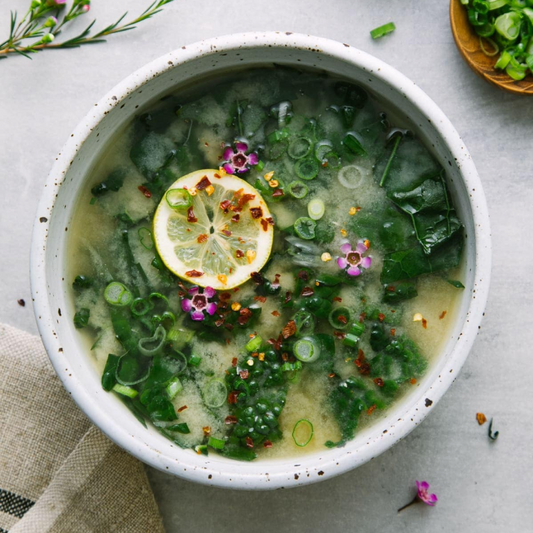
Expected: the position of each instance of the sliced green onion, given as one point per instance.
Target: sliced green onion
(496, 48)
(195, 360)
(130, 372)
(306, 169)
(277, 150)
(321, 149)
(254, 344)
(350, 176)
(178, 198)
(201, 449)
(145, 238)
(316, 209)
(180, 337)
(278, 136)
(173, 388)
(260, 166)
(300, 147)
(485, 31)
(496, 4)
(508, 25)
(305, 228)
(298, 189)
(305, 323)
(215, 393)
(476, 18)
(332, 160)
(117, 294)
(352, 143)
(340, 317)
(306, 350)
(169, 316)
(125, 390)
(140, 307)
(517, 73)
(351, 338)
(529, 62)
(503, 60)
(381, 31)
(158, 296)
(217, 444)
(481, 6)
(303, 432)
(149, 346)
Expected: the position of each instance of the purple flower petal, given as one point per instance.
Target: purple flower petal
(361, 248)
(211, 308)
(353, 271)
(194, 290)
(186, 305)
(366, 262)
(346, 248)
(228, 168)
(422, 485)
(243, 170)
(209, 292)
(241, 147)
(342, 263)
(197, 316)
(228, 153)
(253, 159)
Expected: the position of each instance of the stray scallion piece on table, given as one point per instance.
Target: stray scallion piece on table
(505, 30)
(248, 284)
(381, 31)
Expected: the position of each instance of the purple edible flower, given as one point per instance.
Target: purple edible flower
(236, 159)
(199, 302)
(423, 495)
(353, 260)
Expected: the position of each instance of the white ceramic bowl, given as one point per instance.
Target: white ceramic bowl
(54, 310)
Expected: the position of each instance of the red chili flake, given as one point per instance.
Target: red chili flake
(202, 238)
(225, 205)
(285, 356)
(331, 375)
(362, 317)
(364, 369)
(219, 322)
(303, 275)
(217, 176)
(379, 382)
(337, 299)
(393, 332)
(232, 396)
(203, 183)
(261, 299)
(256, 212)
(442, 315)
(236, 218)
(182, 294)
(371, 410)
(145, 191)
(412, 381)
(227, 342)
(393, 311)
(342, 319)
(381, 317)
(244, 374)
(236, 289)
(391, 288)
(307, 291)
(194, 274)
(234, 362)
(289, 329)
(275, 313)
(245, 315)
(229, 327)
(182, 408)
(277, 193)
(270, 220)
(481, 418)
(264, 224)
(224, 296)
(230, 420)
(339, 334)
(244, 199)
(257, 278)
(424, 323)
(288, 297)
(239, 254)
(276, 343)
(190, 215)
(267, 444)
(207, 430)
(226, 232)
(249, 442)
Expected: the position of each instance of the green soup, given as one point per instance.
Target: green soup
(358, 293)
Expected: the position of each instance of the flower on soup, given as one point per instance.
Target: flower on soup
(354, 259)
(237, 160)
(199, 303)
(423, 494)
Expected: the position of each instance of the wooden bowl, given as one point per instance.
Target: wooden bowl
(467, 41)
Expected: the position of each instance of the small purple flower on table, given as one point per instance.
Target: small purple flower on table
(236, 160)
(354, 260)
(199, 303)
(423, 494)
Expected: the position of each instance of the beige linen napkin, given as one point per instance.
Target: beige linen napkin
(58, 473)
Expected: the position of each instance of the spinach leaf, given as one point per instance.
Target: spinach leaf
(433, 229)
(414, 261)
(399, 292)
(429, 195)
(456, 284)
(113, 182)
(109, 379)
(150, 153)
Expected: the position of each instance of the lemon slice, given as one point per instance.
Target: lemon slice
(221, 238)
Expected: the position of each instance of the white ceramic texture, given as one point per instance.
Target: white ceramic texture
(49, 253)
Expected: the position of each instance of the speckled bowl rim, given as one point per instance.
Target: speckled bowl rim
(279, 473)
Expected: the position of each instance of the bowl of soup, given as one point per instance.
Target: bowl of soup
(261, 260)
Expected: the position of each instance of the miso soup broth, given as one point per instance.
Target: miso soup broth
(263, 262)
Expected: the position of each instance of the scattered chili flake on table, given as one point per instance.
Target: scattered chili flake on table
(21, 302)
(481, 418)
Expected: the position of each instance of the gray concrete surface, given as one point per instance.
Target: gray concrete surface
(482, 486)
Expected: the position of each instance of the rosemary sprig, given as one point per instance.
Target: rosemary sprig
(43, 27)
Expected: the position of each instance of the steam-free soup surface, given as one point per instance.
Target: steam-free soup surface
(344, 318)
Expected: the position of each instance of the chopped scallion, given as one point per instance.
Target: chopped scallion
(117, 294)
(381, 31)
(303, 432)
(215, 393)
(306, 350)
(178, 199)
(316, 209)
(254, 344)
(125, 390)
